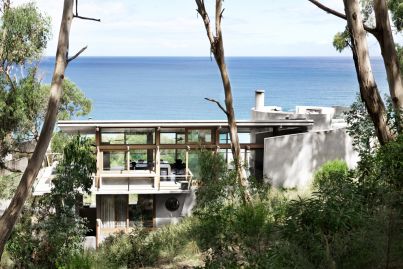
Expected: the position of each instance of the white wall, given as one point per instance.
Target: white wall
(291, 160)
(163, 216)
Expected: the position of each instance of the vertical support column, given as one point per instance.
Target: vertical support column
(157, 159)
(98, 220)
(98, 157)
(157, 168)
(217, 139)
(127, 158)
(187, 162)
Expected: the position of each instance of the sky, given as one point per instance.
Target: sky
(172, 28)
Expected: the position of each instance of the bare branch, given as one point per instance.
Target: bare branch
(81, 17)
(77, 54)
(86, 18)
(339, 14)
(201, 9)
(218, 104)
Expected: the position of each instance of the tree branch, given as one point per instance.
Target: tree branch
(201, 9)
(218, 104)
(76, 55)
(339, 14)
(81, 17)
(86, 18)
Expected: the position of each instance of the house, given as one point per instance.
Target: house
(146, 169)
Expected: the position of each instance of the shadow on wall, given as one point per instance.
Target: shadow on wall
(290, 161)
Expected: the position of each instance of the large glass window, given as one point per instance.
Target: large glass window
(244, 138)
(199, 136)
(174, 136)
(114, 160)
(142, 159)
(172, 156)
(112, 138)
(141, 136)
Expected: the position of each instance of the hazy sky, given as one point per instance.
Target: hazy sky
(172, 28)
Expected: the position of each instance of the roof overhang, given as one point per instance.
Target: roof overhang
(89, 126)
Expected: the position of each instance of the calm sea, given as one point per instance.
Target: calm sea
(175, 87)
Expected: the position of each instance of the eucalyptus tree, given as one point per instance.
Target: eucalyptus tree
(217, 49)
(10, 216)
(24, 33)
(356, 40)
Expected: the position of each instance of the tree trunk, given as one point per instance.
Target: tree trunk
(233, 129)
(217, 48)
(10, 216)
(384, 36)
(368, 88)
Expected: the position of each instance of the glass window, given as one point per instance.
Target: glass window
(128, 136)
(172, 138)
(244, 138)
(140, 137)
(142, 159)
(172, 155)
(114, 160)
(199, 136)
(112, 138)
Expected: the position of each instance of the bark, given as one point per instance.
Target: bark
(383, 33)
(10, 216)
(368, 88)
(217, 48)
(384, 36)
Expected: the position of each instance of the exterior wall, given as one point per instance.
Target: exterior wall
(321, 121)
(291, 160)
(163, 216)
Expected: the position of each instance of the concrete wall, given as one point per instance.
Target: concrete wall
(164, 216)
(291, 160)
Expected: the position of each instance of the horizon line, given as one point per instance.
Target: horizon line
(231, 56)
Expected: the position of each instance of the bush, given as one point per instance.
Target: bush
(50, 233)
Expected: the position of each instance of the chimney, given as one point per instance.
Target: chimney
(259, 99)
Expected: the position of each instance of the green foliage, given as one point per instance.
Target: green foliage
(341, 40)
(50, 233)
(399, 50)
(396, 8)
(134, 250)
(8, 185)
(330, 174)
(24, 34)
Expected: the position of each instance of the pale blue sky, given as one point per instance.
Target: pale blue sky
(172, 28)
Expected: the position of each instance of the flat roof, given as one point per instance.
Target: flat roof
(89, 126)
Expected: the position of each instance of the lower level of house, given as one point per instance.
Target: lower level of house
(120, 212)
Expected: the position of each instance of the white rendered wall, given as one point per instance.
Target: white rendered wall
(163, 216)
(291, 160)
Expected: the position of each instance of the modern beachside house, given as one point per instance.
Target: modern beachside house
(146, 170)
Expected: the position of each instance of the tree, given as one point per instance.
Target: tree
(10, 216)
(356, 40)
(24, 33)
(57, 232)
(217, 49)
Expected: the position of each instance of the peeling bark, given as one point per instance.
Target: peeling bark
(368, 88)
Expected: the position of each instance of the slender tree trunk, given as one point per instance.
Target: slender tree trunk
(368, 88)
(217, 48)
(384, 36)
(10, 216)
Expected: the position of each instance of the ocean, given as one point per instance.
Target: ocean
(146, 88)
